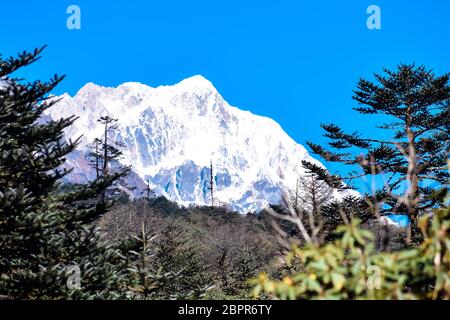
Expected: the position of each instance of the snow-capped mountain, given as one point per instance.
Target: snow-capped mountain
(172, 134)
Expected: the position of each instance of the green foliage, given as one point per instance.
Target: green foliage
(173, 253)
(349, 268)
(53, 244)
(413, 154)
(335, 212)
(45, 231)
(140, 280)
(329, 215)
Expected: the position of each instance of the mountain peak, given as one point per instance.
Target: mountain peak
(89, 87)
(170, 133)
(196, 82)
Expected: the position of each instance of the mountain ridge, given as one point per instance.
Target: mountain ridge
(173, 132)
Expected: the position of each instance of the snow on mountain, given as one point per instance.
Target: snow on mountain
(3, 82)
(172, 133)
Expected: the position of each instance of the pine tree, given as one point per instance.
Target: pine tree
(414, 157)
(211, 183)
(173, 255)
(96, 157)
(49, 245)
(340, 211)
(143, 282)
(149, 192)
(105, 157)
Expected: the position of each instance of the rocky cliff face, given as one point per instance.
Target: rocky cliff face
(172, 133)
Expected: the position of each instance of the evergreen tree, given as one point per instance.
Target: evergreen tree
(174, 255)
(211, 183)
(414, 157)
(96, 156)
(49, 246)
(340, 212)
(105, 155)
(149, 192)
(143, 282)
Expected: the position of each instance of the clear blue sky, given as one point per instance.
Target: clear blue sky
(294, 61)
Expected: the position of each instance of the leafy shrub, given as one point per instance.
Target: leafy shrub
(349, 267)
